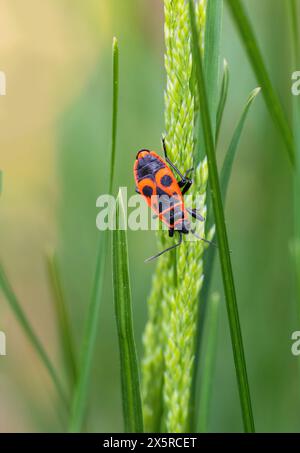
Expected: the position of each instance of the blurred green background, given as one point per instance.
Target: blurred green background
(55, 147)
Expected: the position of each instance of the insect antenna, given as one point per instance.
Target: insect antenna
(203, 239)
(166, 250)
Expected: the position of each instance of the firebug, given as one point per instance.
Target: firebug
(156, 182)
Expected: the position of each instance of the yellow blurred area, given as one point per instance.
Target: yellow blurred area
(47, 52)
(42, 45)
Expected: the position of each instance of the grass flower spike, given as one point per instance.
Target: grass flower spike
(169, 338)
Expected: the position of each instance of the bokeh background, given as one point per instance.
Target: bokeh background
(55, 144)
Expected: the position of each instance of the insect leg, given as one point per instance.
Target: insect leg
(194, 213)
(184, 182)
(185, 185)
(203, 239)
(166, 250)
(171, 232)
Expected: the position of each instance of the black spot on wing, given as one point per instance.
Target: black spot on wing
(166, 181)
(147, 191)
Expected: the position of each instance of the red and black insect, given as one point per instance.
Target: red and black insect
(163, 193)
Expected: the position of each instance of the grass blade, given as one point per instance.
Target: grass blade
(131, 396)
(295, 29)
(115, 52)
(90, 331)
(213, 26)
(223, 98)
(30, 333)
(212, 44)
(224, 182)
(225, 259)
(271, 98)
(293, 10)
(211, 251)
(294, 18)
(230, 155)
(209, 357)
(64, 328)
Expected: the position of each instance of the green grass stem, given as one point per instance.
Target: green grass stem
(210, 253)
(224, 253)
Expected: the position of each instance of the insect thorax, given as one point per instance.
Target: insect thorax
(148, 166)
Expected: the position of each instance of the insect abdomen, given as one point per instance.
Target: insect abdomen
(173, 214)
